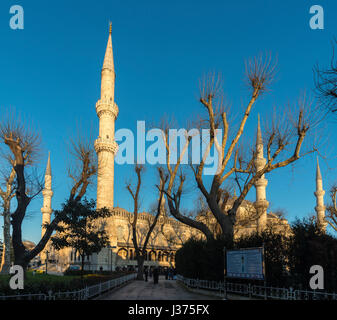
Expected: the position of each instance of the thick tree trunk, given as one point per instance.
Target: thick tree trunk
(140, 262)
(6, 198)
(6, 254)
(225, 221)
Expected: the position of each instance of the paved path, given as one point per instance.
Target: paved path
(164, 290)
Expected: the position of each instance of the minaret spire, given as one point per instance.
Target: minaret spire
(261, 204)
(48, 168)
(105, 145)
(318, 172)
(259, 134)
(108, 58)
(320, 207)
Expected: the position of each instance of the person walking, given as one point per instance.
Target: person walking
(170, 274)
(146, 274)
(155, 276)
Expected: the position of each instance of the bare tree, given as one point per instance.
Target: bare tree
(176, 179)
(331, 218)
(24, 144)
(326, 83)
(140, 247)
(283, 143)
(7, 195)
(84, 167)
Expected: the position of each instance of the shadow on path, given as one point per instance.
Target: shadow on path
(164, 290)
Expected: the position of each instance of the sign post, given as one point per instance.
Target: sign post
(245, 264)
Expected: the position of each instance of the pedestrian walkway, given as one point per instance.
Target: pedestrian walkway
(164, 290)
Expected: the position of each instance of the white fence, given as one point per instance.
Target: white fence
(256, 291)
(83, 294)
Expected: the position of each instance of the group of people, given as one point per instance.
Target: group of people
(154, 272)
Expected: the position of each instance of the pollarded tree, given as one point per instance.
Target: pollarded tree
(282, 141)
(7, 194)
(82, 228)
(24, 144)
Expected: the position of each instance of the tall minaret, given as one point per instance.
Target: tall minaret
(46, 209)
(105, 145)
(261, 204)
(47, 195)
(319, 193)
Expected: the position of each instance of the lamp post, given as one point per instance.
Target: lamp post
(47, 252)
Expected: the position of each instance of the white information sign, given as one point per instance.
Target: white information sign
(245, 263)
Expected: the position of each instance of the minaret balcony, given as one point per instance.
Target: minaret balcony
(46, 210)
(47, 193)
(319, 193)
(105, 106)
(102, 144)
(262, 182)
(261, 204)
(260, 163)
(319, 208)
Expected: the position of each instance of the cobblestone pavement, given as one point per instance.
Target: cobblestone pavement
(164, 290)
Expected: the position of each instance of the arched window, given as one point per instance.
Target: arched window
(123, 253)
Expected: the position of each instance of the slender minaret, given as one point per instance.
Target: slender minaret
(47, 195)
(105, 145)
(46, 209)
(320, 208)
(261, 204)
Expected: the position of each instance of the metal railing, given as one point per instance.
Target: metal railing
(256, 291)
(82, 294)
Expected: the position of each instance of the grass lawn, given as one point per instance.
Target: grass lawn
(42, 283)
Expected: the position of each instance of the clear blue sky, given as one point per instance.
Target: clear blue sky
(50, 73)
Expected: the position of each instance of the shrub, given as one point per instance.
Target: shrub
(43, 283)
(287, 259)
